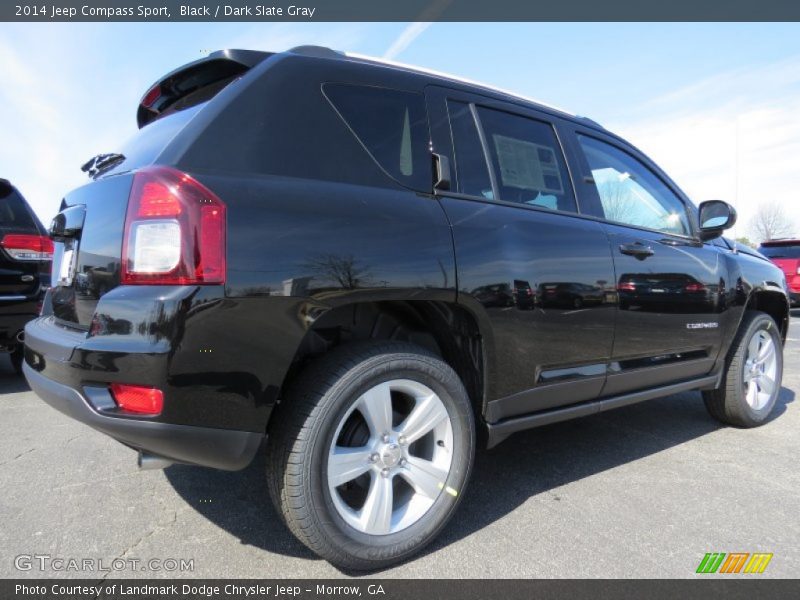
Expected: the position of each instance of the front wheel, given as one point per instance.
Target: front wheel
(370, 453)
(752, 380)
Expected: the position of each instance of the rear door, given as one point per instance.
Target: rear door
(517, 233)
(669, 285)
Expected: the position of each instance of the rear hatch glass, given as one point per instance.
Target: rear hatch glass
(785, 255)
(146, 144)
(18, 277)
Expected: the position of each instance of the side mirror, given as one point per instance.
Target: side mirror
(715, 217)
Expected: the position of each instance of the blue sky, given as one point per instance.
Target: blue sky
(684, 93)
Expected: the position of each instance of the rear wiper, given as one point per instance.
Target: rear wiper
(102, 162)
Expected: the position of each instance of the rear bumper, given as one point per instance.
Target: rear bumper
(58, 371)
(218, 448)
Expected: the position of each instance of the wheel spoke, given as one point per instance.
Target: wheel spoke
(376, 407)
(752, 393)
(766, 384)
(753, 347)
(376, 514)
(764, 353)
(425, 477)
(345, 464)
(427, 414)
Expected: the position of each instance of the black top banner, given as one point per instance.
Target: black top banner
(401, 10)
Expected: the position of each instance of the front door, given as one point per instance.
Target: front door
(669, 285)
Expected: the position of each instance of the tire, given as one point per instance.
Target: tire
(745, 400)
(326, 411)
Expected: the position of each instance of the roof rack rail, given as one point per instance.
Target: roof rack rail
(316, 51)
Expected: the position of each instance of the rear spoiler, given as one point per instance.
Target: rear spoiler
(195, 82)
(5, 187)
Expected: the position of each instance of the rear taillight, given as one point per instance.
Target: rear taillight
(174, 231)
(22, 246)
(138, 399)
(695, 287)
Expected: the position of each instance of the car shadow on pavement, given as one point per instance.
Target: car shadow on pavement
(11, 382)
(528, 464)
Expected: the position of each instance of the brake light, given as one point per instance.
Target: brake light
(695, 287)
(138, 399)
(22, 246)
(151, 96)
(626, 286)
(174, 231)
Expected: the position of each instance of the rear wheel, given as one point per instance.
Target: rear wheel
(752, 379)
(371, 452)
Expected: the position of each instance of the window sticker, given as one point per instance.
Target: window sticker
(527, 165)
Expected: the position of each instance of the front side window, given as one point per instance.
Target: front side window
(392, 125)
(630, 193)
(527, 161)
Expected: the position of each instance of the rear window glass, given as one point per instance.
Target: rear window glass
(14, 213)
(393, 127)
(528, 164)
(146, 144)
(787, 251)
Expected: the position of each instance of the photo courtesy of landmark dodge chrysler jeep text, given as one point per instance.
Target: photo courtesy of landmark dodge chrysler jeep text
(372, 267)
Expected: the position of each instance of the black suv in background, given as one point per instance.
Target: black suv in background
(370, 265)
(25, 254)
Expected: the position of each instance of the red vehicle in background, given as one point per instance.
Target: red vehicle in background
(786, 254)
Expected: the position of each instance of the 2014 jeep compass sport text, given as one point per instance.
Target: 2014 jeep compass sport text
(372, 267)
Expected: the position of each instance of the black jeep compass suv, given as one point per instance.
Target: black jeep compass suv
(372, 266)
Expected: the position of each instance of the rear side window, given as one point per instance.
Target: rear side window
(528, 164)
(472, 171)
(14, 213)
(781, 251)
(393, 127)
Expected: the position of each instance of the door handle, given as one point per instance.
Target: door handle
(636, 250)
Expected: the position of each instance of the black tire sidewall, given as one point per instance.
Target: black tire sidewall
(443, 381)
(761, 322)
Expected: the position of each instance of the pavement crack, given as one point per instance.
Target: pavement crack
(20, 455)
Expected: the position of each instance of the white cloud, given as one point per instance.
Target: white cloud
(406, 37)
(734, 136)
(50, 114)
(70, 90)
(413, 30)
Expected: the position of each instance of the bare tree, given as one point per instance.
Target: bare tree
(344, 271)
(618, 204)
(771, 222)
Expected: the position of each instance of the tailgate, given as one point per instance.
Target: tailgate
(88, 248)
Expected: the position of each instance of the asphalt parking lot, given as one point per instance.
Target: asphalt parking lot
(643, 491)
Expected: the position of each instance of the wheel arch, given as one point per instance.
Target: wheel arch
(772, 302)
(448, 329)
